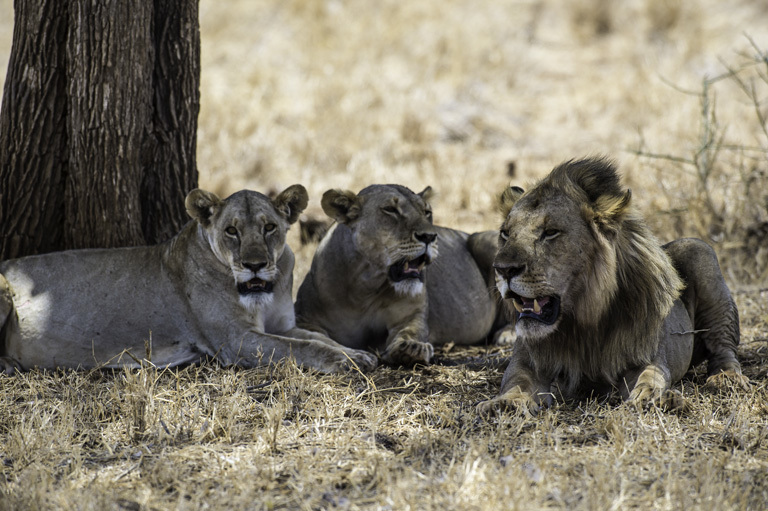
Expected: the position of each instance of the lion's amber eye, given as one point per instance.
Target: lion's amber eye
(269, 228)
(231, 230)
(428, 213)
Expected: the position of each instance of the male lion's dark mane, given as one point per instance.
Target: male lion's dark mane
(625, 332)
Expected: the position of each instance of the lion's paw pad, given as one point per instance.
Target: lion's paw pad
(725, 379)
(408, 352)
(513, 400)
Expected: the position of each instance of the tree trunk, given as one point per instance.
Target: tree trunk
(170, 149)
(98, 124)
(33, 131)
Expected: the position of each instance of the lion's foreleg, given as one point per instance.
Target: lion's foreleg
(363, 359)
(521, 387)
(301, 333)
(650, 384)
(407, 343)
(653, 387)
(257, 349)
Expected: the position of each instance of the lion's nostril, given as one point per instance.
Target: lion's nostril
(425, 237)
(509, 271)
(254, 267)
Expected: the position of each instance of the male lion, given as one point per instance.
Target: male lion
(377, 281)
(598, 304)
(220, 288)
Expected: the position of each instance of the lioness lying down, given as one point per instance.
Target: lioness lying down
(220, 288)
(377, 280)
(598, 304)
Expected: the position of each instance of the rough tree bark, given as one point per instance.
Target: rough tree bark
(98, 123)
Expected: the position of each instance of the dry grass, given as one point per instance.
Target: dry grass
(281, 438)
(450, 94)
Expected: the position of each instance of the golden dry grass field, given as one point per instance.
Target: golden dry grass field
(464, 96)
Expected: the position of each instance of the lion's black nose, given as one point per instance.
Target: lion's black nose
(254, 267)
(508, 271)
(425, 237)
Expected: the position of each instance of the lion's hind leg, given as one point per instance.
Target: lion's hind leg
(6, 301)
(712, 309)
(726, 379)
(7, 364)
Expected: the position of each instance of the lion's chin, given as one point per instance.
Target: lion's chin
(531, 329)
(255, 302)
(409, 287)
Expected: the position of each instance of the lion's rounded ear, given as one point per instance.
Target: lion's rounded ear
(291, 202)
(201, 205)
(608, 211)
(427, 194)
(341, 205)
(508, 198)
(612, 207)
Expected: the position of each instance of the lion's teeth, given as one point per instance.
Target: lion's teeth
(517, 305)
(536, 306)
(406, 267)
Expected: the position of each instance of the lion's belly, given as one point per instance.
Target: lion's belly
(98, 318)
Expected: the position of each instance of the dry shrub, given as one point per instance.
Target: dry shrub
(719, 190)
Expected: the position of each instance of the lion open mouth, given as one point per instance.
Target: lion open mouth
(255, 285)
(409, 269)
(543, 308)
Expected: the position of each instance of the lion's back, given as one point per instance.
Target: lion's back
(80, 305)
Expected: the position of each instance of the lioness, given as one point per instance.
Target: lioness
(377, 281)
(598, 304)
(220, 288)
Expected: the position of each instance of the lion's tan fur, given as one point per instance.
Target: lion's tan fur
(578, 237)
(220, 288)
(349, 294)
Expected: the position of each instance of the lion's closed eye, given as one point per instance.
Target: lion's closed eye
(391, 210)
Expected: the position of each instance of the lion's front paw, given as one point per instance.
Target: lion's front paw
(645, 396)
(506, 336)
(362, 360)
(349, 360)
(514, 399)
(673, 401)
(727, 379)
(406, 351)
(335, 360)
